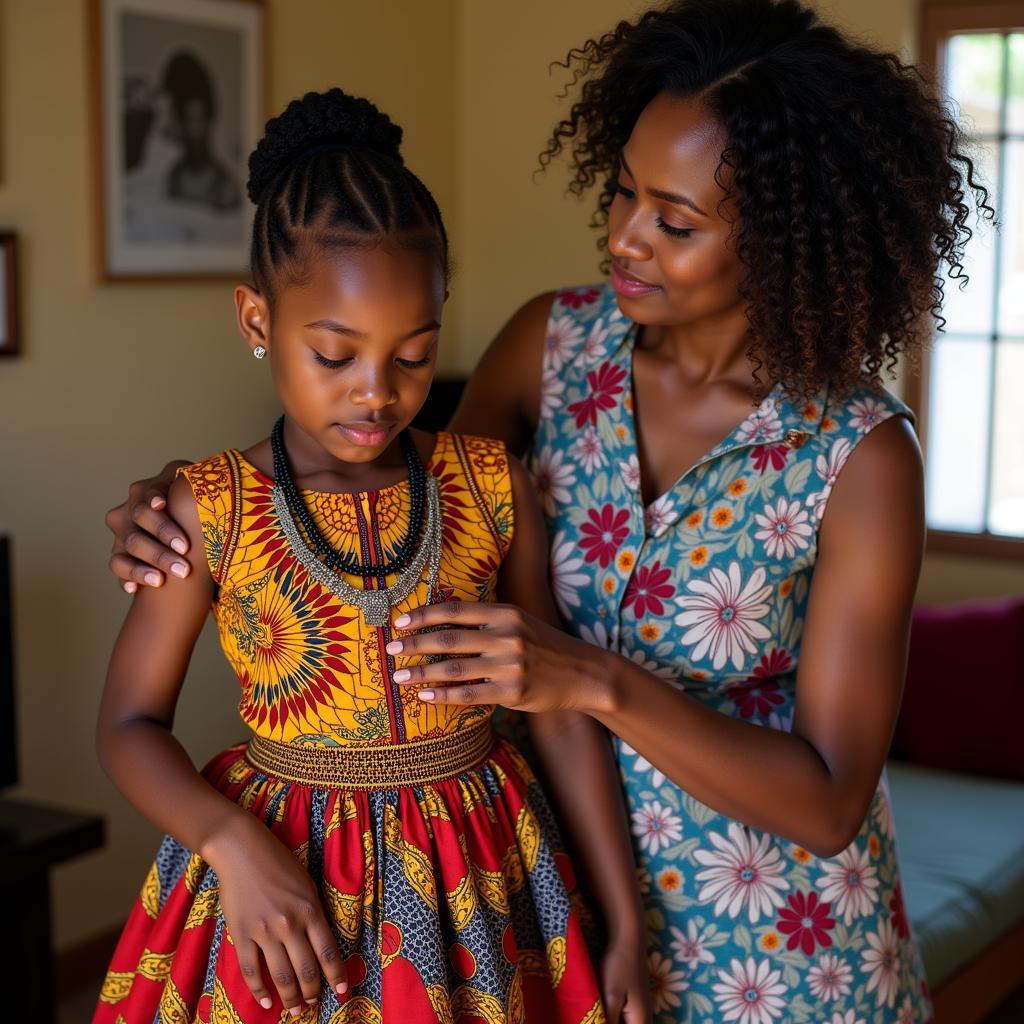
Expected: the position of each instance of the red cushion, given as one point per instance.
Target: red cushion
(963, 707)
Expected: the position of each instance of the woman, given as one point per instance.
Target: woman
(734, 502)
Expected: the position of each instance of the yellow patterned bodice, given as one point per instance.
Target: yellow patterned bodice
(310, 668)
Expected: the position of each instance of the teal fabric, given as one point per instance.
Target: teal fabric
(961, 841)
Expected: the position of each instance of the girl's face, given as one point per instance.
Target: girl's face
(353, 346)
(672, 258)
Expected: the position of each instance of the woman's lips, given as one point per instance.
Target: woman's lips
(368, 434)
(632, 287)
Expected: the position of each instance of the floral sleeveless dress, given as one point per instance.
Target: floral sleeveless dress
(707, 587)
(451, 900)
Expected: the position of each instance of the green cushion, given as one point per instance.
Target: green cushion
(961, 848)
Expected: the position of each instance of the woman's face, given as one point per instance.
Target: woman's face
(673, 260)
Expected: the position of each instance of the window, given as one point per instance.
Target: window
(971, 392)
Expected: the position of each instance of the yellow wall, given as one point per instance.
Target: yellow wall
(92, 402)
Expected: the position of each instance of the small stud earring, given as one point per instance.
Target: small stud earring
(259, 351)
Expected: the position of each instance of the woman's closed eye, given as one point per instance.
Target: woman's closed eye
(618, 189)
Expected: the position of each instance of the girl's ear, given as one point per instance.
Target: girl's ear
(252, 316)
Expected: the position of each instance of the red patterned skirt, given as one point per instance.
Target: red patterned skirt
(451, 900)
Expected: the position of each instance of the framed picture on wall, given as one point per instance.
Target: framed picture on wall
(179, 102)
(8, 294)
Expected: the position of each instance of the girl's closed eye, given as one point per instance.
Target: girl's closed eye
(331, 364)
(412, 364)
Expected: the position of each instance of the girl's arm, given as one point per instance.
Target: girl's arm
(270, 903)
(576, 758)
(813, 784)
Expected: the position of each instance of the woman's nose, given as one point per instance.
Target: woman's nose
(626, 238)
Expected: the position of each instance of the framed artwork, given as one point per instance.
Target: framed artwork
(179, 103)
(8, 294)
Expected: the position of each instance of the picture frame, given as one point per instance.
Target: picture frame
(9, 335)
(178, 91)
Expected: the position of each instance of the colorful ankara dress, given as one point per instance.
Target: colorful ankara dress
(432, 846)
(707, 587)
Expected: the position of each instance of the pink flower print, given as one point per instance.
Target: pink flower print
(563, 335)
(784, 528)
(866, 413)
(828, 470)
(881, 960)
(750, 992)
(766, 455)
(603, 534)
(806, 922)
(578, 297)
(588, 449)
(605, 383)
(647, 588)
(594, 348)
(760, 424)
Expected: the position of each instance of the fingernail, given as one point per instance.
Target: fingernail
(179, 545)
(341, 988)
(294, 1011)
(402, 675)
(402, 621)
(179, 570)
(153, 579)
(130, 588)
(395, 647)
(266, 1002)
(156, 502)
(426, 695)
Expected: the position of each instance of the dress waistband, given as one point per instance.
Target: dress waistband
(388, 766)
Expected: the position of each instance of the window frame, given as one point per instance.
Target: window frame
(940, 19)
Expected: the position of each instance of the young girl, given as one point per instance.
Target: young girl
(367, 855)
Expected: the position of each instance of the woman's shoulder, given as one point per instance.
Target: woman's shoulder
(854, 412)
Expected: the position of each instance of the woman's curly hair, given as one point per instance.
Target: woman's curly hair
(849, 177)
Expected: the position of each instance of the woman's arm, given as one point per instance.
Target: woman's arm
(576, 760)
(270, 903)
(501, 400)
(813, 784)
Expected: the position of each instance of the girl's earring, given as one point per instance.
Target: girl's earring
(259, 351)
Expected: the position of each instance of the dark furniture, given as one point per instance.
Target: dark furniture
(34, 838)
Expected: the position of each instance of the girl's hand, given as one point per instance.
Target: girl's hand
(502, 655)
(271, 907)
(148, 544)
(626, 983)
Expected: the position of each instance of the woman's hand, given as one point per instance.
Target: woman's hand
(626, 982)
(148, 543)
(501, 655)
(271, 907)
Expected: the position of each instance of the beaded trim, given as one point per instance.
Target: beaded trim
(386, 766)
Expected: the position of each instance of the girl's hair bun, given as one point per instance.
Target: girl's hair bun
(320, 119)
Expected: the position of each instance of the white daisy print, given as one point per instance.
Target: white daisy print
(722, 613)
(594, 348)
(882, 812)
(830, 978)
(850, 1017)
(552, 478)
(588, 450)
(552, 390)
(599, 636)
(659, 514)
(882, 962)
(750, 993)
(690, 948)
(666, 984)
(760, 424)
(784, 529)
(656, 668)
(828, 469)
(742, 872)
(641, 764)
(656, 827)
(630, 470)
(906, 1014)
(850, 883)
(866, 413)
(564, 334)
(566, 579)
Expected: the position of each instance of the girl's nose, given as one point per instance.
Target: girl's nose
(375, 390)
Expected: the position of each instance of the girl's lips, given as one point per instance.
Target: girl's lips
(631, 287)
(365, 435)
